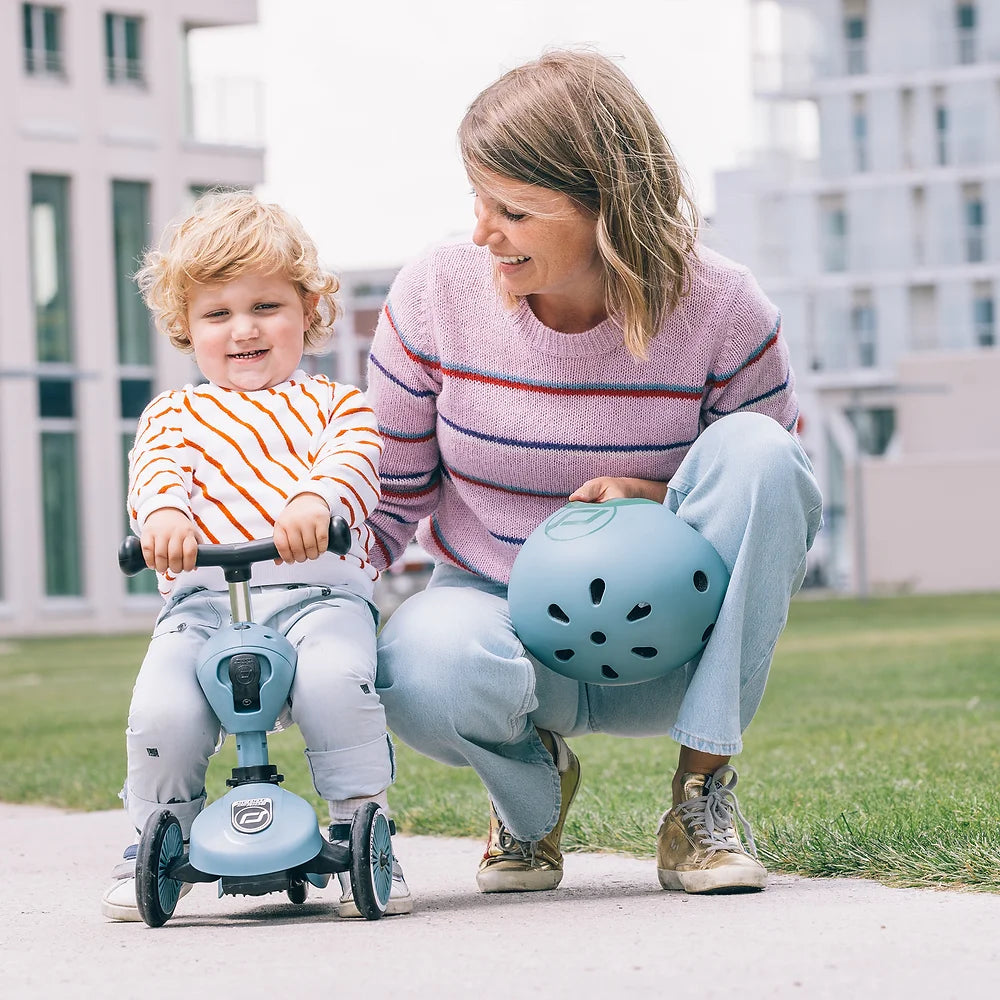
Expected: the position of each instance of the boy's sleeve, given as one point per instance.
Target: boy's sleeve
(752, 371)
(345, 469)
(156, 474)
(404, 380)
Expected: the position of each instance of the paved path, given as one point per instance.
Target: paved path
(610, 931)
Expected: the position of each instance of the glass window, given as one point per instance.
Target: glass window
(141, 583)
(60, 514)
(123, 48)
(834, 233)
(130, 201)
(983, 315)
(859, 132)
(918, 205)
(874, 428)
(134, 394)
(50, 267)
(43, 49)
(55, 398)
(863, 328)
(940, 128)
(974, 223)
(965, 30)
(854, 43)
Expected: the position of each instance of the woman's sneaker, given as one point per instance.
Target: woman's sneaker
(118, 901)
(511, 865)
(697, 847)
(400, 900)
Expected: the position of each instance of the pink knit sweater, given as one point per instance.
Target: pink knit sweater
(490, 419)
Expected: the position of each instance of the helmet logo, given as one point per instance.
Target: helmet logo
(577, 521)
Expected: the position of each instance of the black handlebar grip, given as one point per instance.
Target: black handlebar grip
(340, 536)
(130, 557)
(235, 555)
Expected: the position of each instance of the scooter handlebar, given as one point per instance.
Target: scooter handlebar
(236, 555)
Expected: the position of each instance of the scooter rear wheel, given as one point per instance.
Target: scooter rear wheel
(156, 894)
(371, 860)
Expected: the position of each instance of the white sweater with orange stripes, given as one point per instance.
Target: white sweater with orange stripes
(232, 460)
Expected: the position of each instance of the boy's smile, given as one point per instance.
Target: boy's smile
(248, 332)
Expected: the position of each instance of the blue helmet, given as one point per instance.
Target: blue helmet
(617, 592)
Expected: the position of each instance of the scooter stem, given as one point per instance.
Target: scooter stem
(239, 601)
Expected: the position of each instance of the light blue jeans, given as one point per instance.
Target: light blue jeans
(458, 686)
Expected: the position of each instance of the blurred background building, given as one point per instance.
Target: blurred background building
(100, 150)
(870, 212)
(871, 215)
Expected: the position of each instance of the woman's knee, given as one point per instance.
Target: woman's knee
(754, 451)
(450, 663)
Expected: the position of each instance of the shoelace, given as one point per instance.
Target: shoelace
(710, 816)
(512, 848)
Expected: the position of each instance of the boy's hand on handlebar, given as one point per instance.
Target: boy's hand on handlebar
(616, 488)
(302, 529)
(169, 541)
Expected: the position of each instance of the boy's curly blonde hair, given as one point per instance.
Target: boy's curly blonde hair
(226, 234)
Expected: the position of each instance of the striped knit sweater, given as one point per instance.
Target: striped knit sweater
(490, 419)
(232, 460)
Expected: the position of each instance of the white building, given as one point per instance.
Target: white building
(872, 217)
(101, 148)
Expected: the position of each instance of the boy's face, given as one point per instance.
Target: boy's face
(248, 333)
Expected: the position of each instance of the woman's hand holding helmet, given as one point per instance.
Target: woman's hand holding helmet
(619, 488)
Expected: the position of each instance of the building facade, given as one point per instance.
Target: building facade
(101, 149)
(871, 215)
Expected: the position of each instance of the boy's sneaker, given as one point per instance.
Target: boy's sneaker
(400, 900)
(697, 847)
(511, 865)
(118, 901)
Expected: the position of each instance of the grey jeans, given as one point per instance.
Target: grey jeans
(459, 687)
(172, 731)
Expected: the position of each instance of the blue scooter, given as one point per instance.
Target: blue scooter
(258, 838)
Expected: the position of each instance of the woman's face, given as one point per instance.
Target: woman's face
(543, 245)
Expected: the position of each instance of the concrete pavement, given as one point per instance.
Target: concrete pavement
(609, 931)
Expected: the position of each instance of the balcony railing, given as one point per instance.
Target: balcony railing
(44, 62)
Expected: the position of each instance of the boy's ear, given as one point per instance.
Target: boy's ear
(310, 302)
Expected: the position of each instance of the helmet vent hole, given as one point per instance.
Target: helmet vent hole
(700, 582)
(598, 638)
(597, 591)
(609, 672)
(558, 614)
(705, 635)
(564, 654)
(646, 652)
(638, 612)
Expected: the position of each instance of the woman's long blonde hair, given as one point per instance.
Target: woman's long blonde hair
(573, 122)
(226, 234)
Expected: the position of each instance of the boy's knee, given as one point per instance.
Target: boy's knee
(158, 728)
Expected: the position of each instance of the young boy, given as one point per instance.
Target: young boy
(260, 449)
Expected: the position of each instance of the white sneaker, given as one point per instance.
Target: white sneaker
(400, 900)
(118, 901)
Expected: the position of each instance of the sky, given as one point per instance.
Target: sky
(361, 100)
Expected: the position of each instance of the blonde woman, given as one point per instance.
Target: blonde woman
(583, 346)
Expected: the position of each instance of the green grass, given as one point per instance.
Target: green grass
(875, 752)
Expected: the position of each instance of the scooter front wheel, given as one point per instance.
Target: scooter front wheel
(156, 894)
(298, 891)
(371, 860)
